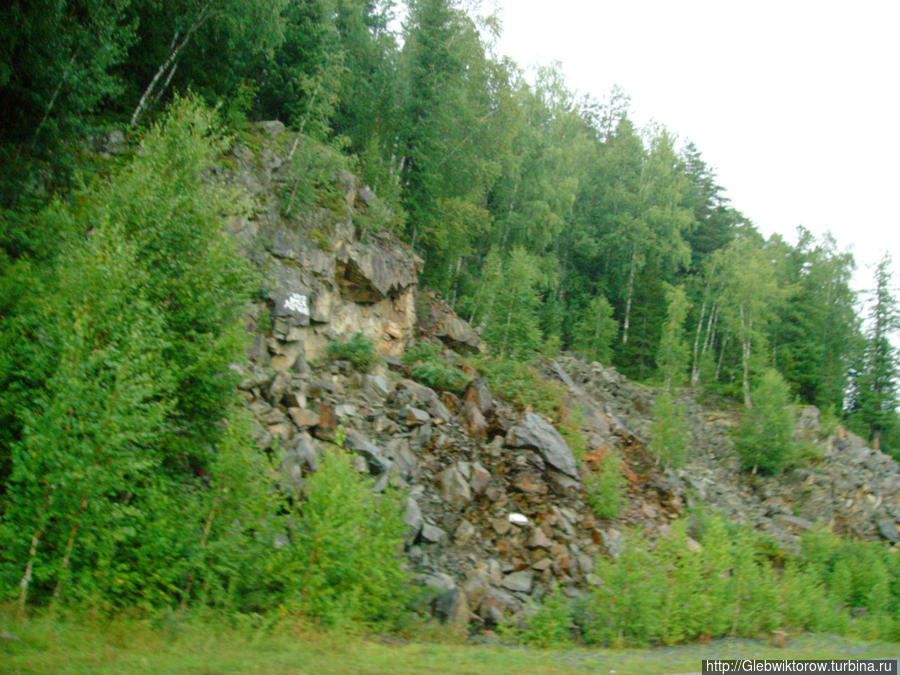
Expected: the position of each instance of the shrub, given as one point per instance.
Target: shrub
(422, 351)
(605, 487)
(765, 437)
(358, 350)
(439, 376)
(521, 384)
(346, 561)
(669, 435)
(551, 624)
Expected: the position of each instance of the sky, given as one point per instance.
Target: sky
(795, 104)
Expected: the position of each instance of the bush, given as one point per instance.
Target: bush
(669, 435)
(422, 351)
(346, 562)
(605, 487)
(439, 376)
(132, 330)
(765, 438)
(521, 384)
(358, 350)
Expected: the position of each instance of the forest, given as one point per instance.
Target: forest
(546, 219)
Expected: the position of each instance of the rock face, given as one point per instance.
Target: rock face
(323, 278)
(536, 433)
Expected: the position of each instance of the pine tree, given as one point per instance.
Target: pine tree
(875, 399)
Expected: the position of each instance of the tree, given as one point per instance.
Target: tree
(765, 437)
(58, 64)
(817, 334)
(669, 433)
(136, 326)
(875, 388)
(509, 303)
(673, 351)
(596, 330)
(748, 299)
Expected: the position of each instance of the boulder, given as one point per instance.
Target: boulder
(536, 433)
(479, 393)
(475, 423)
(433, 534)
(412, 516)
(377, 462)
(303, 418)
(454, 488)
(414, 417)
(520, 582)
(888, 529)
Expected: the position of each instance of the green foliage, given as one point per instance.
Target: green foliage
(874, 400)
(508, 303)
(672, 359)
(422, 351)
(551, 624)
(358, 350)
(672, 590)
(521, 384)
(138, 322)
(595, 331)
(605, 487)
(437, 375)
(345, 561)
(669, 435)
(765, 437)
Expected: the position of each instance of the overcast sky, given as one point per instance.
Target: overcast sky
(794, 103)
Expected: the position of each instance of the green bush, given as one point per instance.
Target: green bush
(765, 438)
(669, 434)
(521, 384)
(605, 488)
(358, 350)
(738, 584)
(346, 561)
(117, 488)
(422, 351)
(439, 376)
(550, 625)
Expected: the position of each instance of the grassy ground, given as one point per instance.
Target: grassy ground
(84, 645)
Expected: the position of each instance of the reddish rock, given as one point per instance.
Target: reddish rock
(476, 425)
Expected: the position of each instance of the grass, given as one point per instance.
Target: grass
(82, 644)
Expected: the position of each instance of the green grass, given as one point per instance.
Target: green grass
(88, 645)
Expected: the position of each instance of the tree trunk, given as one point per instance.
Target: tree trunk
(746, 328)
(695, 366)
(630, 296)
(175, 49)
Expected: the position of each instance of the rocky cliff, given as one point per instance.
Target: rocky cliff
(496, 512)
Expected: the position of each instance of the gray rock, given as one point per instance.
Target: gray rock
(464, 532)
(375, 270)
(888, 529)
(480, 479)
(380, 385)
(454, 488)
(414, 417)
(520, 582)
(412, 516)
(377, 462)
(272, 128)
(433, 534)
(479, 393)
(536, 433)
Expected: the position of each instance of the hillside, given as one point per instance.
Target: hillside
(498, 512)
